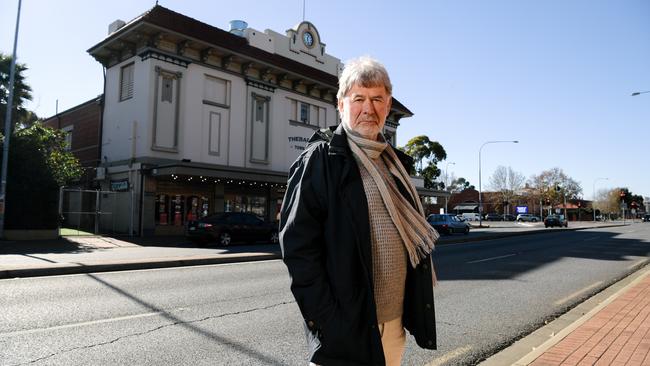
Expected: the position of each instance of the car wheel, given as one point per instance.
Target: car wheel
(225, 239)
(275, 237)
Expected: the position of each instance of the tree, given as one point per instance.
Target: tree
(427, 154)
(38, 166)
(551, 186)
(507, 182)
(459, 185)
(22, 93)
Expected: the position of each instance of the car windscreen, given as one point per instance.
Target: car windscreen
(436, 218)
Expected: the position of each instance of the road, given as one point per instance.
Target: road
(490, 293)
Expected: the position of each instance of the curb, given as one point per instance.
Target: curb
(527, 349)
(136, 264)
(520, 233)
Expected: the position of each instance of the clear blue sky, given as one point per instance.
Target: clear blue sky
(556, 75)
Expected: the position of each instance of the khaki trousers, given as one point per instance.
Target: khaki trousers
(393, 339)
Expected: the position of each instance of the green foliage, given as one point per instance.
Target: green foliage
(22, 93)
(38, 166)
(459, 185)
(426, 151)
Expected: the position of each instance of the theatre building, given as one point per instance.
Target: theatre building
(198, 120)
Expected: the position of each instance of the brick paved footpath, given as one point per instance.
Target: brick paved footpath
(619, 334)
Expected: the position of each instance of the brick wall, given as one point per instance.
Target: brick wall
(85, 121)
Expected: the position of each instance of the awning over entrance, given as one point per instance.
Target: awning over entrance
(223, 173)
(465, 207)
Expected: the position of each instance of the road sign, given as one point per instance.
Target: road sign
(623, 206)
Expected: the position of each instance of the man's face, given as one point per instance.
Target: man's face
(365, 109)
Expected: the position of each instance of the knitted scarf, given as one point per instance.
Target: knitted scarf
(418, 236)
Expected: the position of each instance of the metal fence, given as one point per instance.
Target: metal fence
(96, 212)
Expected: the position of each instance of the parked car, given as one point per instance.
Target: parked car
(527, 218)
(448, 224)
(646, 218)
(555, 220)
(493, 217)
(471, 216)
(509, 217)
(227, 228)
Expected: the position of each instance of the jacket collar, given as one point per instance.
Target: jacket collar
(339, 146)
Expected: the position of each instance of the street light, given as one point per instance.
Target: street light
(446, 179)
(594, 194)
(637, 93)
(480, 196)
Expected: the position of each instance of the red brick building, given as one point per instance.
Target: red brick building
(81, 124)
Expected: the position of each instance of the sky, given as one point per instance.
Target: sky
(556, 75)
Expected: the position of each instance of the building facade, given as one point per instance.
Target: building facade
(198, 120)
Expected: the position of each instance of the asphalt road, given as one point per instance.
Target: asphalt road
(490, 293)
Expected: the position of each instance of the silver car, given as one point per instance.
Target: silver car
(448, 224)
(527, 218)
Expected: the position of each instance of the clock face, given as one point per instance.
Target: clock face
(308, 39)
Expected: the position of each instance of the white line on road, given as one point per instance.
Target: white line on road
(73, 325)
(577, 293)
(491, 259)
(449, 355)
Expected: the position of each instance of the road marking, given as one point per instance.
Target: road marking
(577, 293)
(449, 355)
(491, 259)
(74, 325)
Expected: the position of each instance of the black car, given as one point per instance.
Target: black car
(493, 217)
(227, 228)
(448, 224)
(555, 220)
(646, 218)
(509, 217)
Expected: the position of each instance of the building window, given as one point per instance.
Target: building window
(306, 113)
(260, 128)
(216, 91)
(67, 130)
(167, 89)
(126, 82)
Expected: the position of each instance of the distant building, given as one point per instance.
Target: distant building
(198, 120)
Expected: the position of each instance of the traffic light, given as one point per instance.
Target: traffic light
(558, 188)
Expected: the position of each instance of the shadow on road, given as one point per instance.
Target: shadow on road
(508, 258)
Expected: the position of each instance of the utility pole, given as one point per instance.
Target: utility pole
(7, 132)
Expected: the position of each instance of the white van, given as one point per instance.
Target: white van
(471, 216)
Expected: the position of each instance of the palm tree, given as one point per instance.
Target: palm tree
(22, 93)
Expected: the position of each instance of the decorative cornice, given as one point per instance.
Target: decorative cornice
(261, 85)
(164, 56)
(392, 124)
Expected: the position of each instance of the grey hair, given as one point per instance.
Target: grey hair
(364, 71)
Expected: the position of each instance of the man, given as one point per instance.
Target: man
(354, 237)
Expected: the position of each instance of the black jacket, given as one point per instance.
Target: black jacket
(325, 239)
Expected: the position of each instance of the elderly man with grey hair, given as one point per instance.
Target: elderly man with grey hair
(353, 234)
